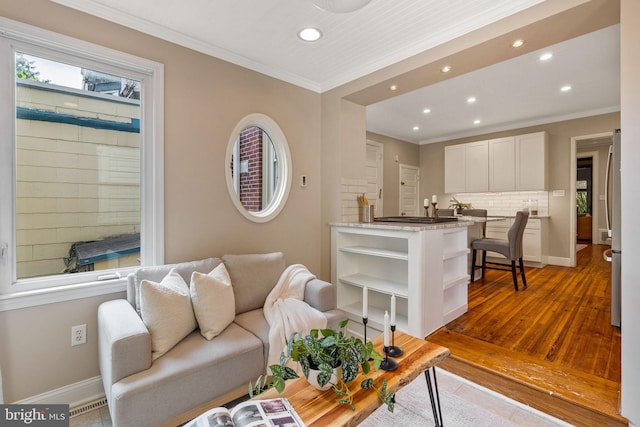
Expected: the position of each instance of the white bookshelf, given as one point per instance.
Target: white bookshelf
(424, 267)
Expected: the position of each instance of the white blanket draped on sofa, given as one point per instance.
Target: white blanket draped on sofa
(286, 311)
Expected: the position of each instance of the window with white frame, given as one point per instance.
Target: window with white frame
(81, 165)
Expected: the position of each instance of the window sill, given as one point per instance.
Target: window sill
(19, 300)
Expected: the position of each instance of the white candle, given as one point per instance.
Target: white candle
(393, 310)
(365, 302)
(426, 202)
(434, 199)
(386, 328)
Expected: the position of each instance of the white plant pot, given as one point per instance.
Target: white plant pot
(313, 378)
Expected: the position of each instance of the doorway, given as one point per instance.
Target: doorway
(584, 199)
(375, 180)
(584, 147)
(409, 190)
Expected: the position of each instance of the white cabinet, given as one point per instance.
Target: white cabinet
(514, 163)
(531, 161)
(466, 168)
(502, 167)
(426, 269)
(533, 244)
(455, 177)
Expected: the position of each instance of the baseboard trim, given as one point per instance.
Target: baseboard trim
(76, 394)
(559, 261)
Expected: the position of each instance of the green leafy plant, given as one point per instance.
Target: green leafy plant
(324, 350)
(455, 204)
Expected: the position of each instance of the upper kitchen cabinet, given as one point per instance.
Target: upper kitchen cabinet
(502, 166)
(531, 152)
(466, 168)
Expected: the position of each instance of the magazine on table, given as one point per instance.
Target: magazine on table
(252, 413)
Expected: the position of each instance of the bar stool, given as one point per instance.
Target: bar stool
(481, 213)
(510, 248)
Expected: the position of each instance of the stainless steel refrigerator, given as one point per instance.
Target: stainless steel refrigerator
(613, 217)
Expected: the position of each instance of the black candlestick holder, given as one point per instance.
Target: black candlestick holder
(365, 320)
(388, 364)
(435, 210)
(426, 211)
(394, 351)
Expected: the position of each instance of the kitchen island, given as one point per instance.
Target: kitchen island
(425, 265)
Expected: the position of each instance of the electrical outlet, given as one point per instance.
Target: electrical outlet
(78, 334)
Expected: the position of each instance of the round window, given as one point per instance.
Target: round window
(258, 168)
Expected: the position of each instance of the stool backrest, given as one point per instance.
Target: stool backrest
(478, 213)
(515, 234)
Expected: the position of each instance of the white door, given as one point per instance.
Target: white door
(374, 176)
(409, 190)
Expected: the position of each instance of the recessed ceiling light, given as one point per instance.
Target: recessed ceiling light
(416, 128)
(471, 99)
(546, 56)
(426, 110)
(476, 122)
(445, 69)
(393, 87)
(309, 34)
(565, 88)
(517, 43)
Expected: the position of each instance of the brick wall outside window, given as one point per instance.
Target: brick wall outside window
(251, 176)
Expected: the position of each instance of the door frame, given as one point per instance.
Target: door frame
(595, 185)
(573, 171)
(417, 168)
(380, 200)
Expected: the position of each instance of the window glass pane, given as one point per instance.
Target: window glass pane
(78, 169)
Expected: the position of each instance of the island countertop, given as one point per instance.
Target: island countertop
(403, 226)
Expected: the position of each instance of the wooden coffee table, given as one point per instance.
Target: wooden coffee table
(319, 408)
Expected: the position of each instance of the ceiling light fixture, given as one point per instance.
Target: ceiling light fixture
(393, 87)
(517, 43)
(546, 56)
(565, 88)
(471, 99)
(445, 69)
(426, 110)
(310, 34)
(416, 128)
(340, 6)
(476, 122)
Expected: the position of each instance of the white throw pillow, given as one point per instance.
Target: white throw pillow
(213, 301)
(166, 310)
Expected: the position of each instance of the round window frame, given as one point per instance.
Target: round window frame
(281, 147)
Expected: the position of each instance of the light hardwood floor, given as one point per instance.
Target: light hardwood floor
(550, 345)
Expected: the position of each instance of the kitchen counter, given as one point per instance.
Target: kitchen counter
(403, 226)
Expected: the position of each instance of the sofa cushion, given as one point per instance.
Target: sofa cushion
(192, 373)
(166, 310)
(255, 322)
(213, 301)
(156, 274)
(253, 276)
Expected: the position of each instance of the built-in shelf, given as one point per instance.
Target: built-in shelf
(375, 284)
(425, 268)
(383, 253)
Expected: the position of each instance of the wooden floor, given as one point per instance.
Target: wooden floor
(550, 345)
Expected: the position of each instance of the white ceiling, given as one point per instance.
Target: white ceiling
(261, 35)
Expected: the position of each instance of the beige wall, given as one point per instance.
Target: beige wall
(408, 154)
(204, 99)
(560, 134)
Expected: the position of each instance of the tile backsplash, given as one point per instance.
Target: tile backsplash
(350, 190)
(507, 204)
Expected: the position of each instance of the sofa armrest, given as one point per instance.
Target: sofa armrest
(320, 295)
(124, 343)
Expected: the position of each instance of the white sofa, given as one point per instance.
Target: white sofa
(141, 392)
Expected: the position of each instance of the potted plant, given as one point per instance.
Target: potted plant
(457, 205)
(337, 359)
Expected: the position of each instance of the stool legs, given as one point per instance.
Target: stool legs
(514, 274)
(473, 265)
(524, 280)
(484, 263)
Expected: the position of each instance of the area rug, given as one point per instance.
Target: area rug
(460, 408)
(580, 246)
